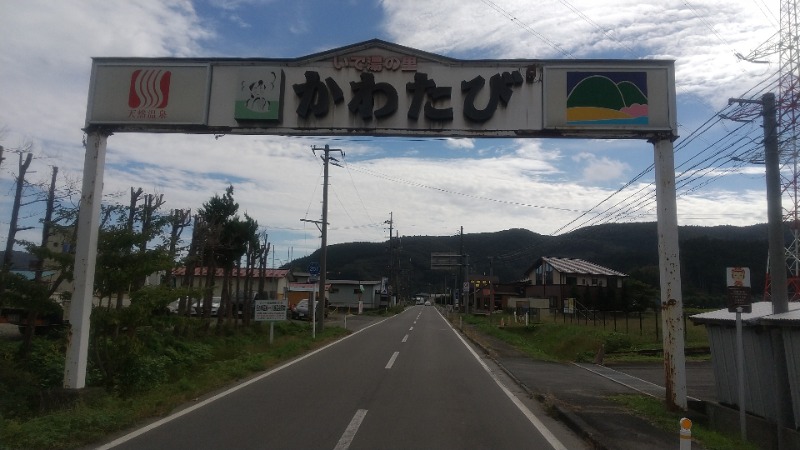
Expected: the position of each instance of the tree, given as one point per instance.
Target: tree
(123, 260)
(214, 216)
(13, 226)
(224, 239)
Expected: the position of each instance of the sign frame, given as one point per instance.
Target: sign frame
(378, 88)
(269, 310)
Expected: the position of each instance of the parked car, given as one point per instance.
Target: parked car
(173, 307)
(215, 304)
(300, 310)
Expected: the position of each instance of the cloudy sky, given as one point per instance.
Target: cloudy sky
(427, 186)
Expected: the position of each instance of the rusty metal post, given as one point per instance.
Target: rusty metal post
(670, 274)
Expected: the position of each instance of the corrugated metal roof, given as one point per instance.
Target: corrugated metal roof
(791, 317)
(579, 266)
(761, 311)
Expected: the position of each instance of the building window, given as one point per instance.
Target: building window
(594, 281)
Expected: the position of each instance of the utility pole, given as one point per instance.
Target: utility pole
(777, 264)
(777, 258)
(326, 159)
(389, 288)
(465, 300)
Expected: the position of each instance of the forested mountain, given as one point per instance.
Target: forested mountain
(630, 248)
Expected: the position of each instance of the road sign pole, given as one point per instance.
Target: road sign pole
(740, 373)
(271, 331)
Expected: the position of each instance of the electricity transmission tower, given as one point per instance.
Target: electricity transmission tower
(785, 44)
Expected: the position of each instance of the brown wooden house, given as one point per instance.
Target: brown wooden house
(558, 279)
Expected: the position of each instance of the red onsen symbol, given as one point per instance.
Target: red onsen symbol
(149, 88)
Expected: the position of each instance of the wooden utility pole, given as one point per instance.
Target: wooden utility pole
(326, 159)
(389, 285)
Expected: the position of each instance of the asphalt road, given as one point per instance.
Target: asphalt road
(406, 382)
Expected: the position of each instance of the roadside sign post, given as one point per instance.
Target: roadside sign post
(272, 311)
(313, 277)
(738, 283)
(740, 373)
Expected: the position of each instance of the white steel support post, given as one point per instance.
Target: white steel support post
(670, 274)
(85, 259)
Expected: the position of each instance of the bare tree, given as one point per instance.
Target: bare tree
(13, 226)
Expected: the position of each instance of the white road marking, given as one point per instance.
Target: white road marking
(350, 431)
(543, 430)
(405, 338)
(391, 360)
(205, 402)
(411, 329)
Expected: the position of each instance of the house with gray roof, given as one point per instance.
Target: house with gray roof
(558, 279)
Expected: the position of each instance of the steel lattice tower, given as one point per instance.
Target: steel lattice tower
(787, 131)
(788, 99)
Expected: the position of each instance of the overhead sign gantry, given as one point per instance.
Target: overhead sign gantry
(378, 88)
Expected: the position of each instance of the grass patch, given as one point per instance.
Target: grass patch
(556, 339)
(653, 410)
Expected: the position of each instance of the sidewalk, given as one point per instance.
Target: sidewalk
(579, 396)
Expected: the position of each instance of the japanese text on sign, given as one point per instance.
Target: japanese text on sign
(270, 310)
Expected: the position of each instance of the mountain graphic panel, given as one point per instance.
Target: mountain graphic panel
(607, 98)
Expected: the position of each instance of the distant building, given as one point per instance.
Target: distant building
(342, 294)
(276, 281)
(558, 279)
(347, 293)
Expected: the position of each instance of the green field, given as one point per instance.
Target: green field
(635, 336)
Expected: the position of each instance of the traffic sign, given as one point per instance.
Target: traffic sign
(313, 268)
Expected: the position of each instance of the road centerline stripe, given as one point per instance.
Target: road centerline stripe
(350, 431)
(391, 360)
(405, 338)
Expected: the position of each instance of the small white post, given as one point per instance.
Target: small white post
(686, 434)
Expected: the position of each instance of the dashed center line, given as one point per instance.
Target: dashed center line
(350, 431)
(405, 338)
(391, 360)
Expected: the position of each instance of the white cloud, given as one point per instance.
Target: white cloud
(600, 168)
(46, 56)
(460, 143)
(701, 38)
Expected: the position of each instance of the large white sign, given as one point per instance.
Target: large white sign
(378, 88)
(270, 310)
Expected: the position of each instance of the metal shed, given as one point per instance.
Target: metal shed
(789, 323)
(760, 365)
